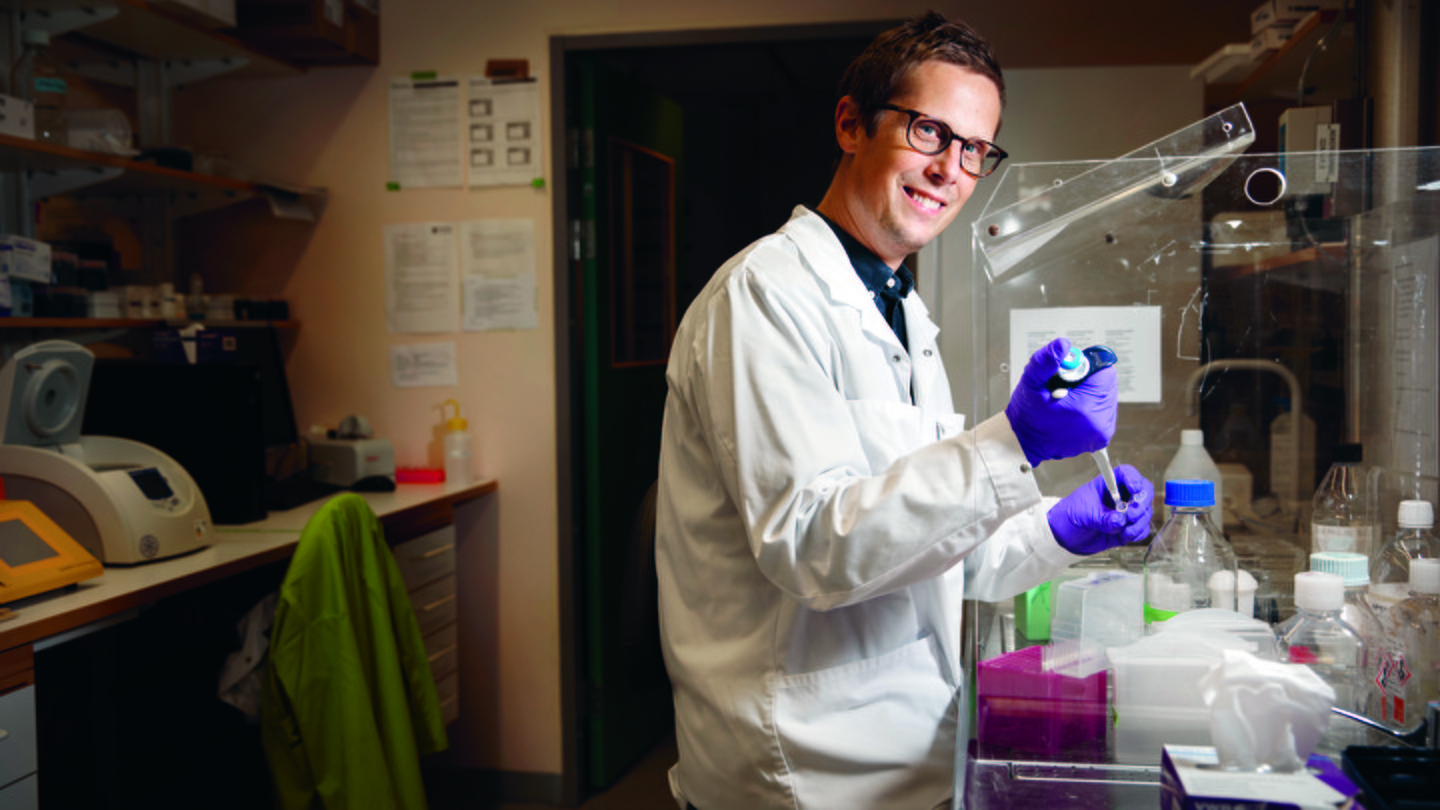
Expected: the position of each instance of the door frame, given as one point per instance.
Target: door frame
(564, 153)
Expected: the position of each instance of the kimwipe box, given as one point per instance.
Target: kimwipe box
(1191, 779)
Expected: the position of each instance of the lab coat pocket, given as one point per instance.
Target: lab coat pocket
(876, 733)
(887, 430)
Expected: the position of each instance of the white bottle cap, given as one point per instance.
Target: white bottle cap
(1191, 438)
(1416, 515)
(1318, 590)
(1425, 575)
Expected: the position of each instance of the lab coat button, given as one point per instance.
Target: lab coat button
(1024, 468)
(928, 352)
(896, 358)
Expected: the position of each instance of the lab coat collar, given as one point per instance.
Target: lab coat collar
(826, 257)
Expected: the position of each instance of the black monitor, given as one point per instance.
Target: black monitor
(260, 347)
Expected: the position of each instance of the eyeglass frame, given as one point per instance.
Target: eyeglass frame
(916, 115)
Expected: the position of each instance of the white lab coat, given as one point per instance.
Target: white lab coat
(811, 525)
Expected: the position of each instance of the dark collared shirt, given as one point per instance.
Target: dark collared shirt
(886, 287)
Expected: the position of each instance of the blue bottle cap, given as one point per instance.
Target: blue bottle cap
(1071, 359)
(1189, 492)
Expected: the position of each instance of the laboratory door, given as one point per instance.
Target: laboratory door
(629, 143)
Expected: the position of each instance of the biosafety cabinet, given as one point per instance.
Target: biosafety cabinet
(1249, 296)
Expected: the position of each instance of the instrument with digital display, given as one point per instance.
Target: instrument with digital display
(36, 555)
(123, 501)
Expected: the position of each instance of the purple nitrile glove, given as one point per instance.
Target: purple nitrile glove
(1087, 522)
(1081, 421)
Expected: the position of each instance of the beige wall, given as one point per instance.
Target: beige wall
(329, 129)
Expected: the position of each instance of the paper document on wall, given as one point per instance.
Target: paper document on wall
(426, 148)
(498, 272)
(418, 365)
(502, 121)
(421, 276)
(1132, 332)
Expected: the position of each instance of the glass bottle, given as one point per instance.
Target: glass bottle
(1412, 664)
(36, 78)
(1317, 637)
(1340, 518)
(1354, 571)
(1186, 554)
(1415, 540)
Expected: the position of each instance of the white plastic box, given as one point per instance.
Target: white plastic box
(17, 117)
(25, 259)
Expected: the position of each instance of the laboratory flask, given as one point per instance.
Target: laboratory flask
(1189, 559)
(1317, 637)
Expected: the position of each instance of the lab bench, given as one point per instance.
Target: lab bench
(123, 668)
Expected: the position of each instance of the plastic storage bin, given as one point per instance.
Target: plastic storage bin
(1020, 705)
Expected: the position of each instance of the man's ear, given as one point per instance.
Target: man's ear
(849, 125)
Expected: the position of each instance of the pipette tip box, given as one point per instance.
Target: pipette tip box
(1020, 705)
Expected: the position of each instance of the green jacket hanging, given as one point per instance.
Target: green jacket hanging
(349, 704)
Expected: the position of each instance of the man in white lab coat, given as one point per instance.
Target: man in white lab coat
(821, 512)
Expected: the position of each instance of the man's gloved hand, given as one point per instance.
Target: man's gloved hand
(1087, 522)
(1082, 421)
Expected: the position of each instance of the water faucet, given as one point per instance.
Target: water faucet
(1426, 736)
(1192, 403)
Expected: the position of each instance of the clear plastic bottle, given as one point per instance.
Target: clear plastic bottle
(459, 462)
(1340, 519)
(1192, 462)
(36, 78)
(1415, 539)
(1412, 665)
(1354, 571)
(1317, 637)
(1187, 553)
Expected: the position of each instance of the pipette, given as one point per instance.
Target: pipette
(1074, 369)
(1102, 460)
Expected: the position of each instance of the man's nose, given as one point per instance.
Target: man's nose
(945, 167)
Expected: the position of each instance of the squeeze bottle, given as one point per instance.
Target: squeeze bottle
(1193, 462)
(458, 456)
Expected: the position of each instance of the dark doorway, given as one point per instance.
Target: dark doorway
(754, 110)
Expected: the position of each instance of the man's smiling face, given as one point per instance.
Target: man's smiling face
(896, 199)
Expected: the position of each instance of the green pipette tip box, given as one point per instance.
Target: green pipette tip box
(1032, 613)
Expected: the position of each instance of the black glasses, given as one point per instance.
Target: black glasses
(930, 136)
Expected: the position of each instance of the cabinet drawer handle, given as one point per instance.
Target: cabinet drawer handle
(432, 658)
(441, 550)
(438, 602)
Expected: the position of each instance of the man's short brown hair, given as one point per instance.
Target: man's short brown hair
(879, 73)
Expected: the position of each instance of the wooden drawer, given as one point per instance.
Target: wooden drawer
(426, 558)
(441, 648)
(17, 734)
(435, 605)
(448, 689)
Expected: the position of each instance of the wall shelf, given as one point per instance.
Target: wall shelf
(149, 31)
(1330, 75)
